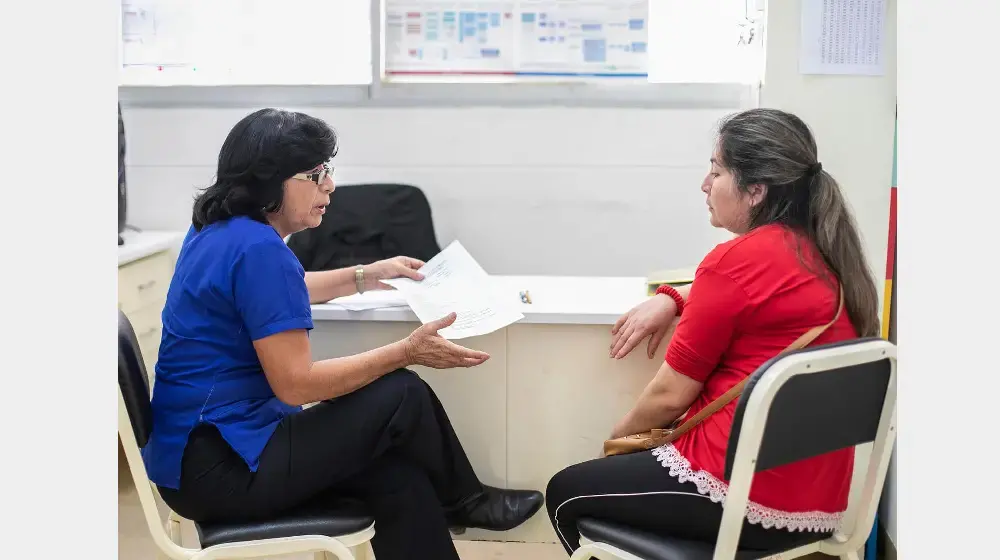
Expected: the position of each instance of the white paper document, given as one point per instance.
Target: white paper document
(843, 37)
(454, 282)
(376, 299)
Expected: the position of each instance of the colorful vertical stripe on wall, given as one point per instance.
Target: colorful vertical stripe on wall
(890, 269)
(888, 329)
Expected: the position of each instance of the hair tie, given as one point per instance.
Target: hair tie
(814, 169)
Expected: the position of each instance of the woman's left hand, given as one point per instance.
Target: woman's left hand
(396, 267)
(652, 319)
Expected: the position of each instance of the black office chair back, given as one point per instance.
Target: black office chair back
(365, 223)
(133, 382)
(816, 413)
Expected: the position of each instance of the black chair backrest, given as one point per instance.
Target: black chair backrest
(816, 413)
(365, 223)
(133, 382)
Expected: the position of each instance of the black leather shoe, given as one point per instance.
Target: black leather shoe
(496, 509)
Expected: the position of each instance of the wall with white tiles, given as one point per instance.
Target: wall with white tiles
(544, 190)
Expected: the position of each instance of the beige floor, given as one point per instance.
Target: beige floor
(134, 542)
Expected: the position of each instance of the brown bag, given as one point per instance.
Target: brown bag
(662, 436)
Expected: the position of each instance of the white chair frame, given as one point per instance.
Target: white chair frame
(846, 542)
(167, 536)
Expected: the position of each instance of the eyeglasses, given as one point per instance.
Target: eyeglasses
(317, 176)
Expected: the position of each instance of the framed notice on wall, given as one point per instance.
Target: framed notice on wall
(515, 39)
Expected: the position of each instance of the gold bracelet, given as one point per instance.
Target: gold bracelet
(359, 279)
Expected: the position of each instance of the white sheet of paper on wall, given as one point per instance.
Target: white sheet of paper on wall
(843, 37)
(702, 41)
(245, 42)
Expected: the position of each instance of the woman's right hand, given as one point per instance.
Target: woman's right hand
(425, 347)
(651, 318)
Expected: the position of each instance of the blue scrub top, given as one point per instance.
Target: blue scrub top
(235, 282)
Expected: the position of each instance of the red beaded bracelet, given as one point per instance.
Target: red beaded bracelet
(674, 295)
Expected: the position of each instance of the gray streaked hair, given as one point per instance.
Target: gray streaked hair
(776, 149)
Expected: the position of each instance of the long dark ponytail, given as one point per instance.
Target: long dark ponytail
(776, 149)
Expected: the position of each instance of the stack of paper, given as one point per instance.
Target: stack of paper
(454, 282)
(377, 299)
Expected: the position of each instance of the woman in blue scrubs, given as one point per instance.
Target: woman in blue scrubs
(230, 439)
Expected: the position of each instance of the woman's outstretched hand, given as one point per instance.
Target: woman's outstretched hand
(651, 319)
(425, 347)
(396, 267)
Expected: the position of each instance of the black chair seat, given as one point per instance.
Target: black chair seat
(655, 547)
(335, 520)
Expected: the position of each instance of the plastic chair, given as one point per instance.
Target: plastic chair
(342, 531)
(804, 404)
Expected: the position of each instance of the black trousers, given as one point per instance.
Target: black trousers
(389, 443)
(637, 491)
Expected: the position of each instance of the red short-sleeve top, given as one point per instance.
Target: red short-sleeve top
(751, 298)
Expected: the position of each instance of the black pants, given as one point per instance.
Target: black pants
(637, 491)
(389, 443)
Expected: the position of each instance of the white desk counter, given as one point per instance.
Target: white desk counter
(141, 244)
(549, 394)
(555, 300)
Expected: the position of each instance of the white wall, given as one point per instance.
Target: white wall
(853, 119)
(576, 191)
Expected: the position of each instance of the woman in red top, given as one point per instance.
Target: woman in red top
(796, 241)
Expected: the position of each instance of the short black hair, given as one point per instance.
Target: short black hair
(263, 150)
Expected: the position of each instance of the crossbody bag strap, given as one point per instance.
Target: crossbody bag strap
(727, 397)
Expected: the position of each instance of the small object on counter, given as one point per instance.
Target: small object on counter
(674, 278)
(525, 297)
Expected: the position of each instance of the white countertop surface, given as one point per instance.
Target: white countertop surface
(580, 300)
(141, 244)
